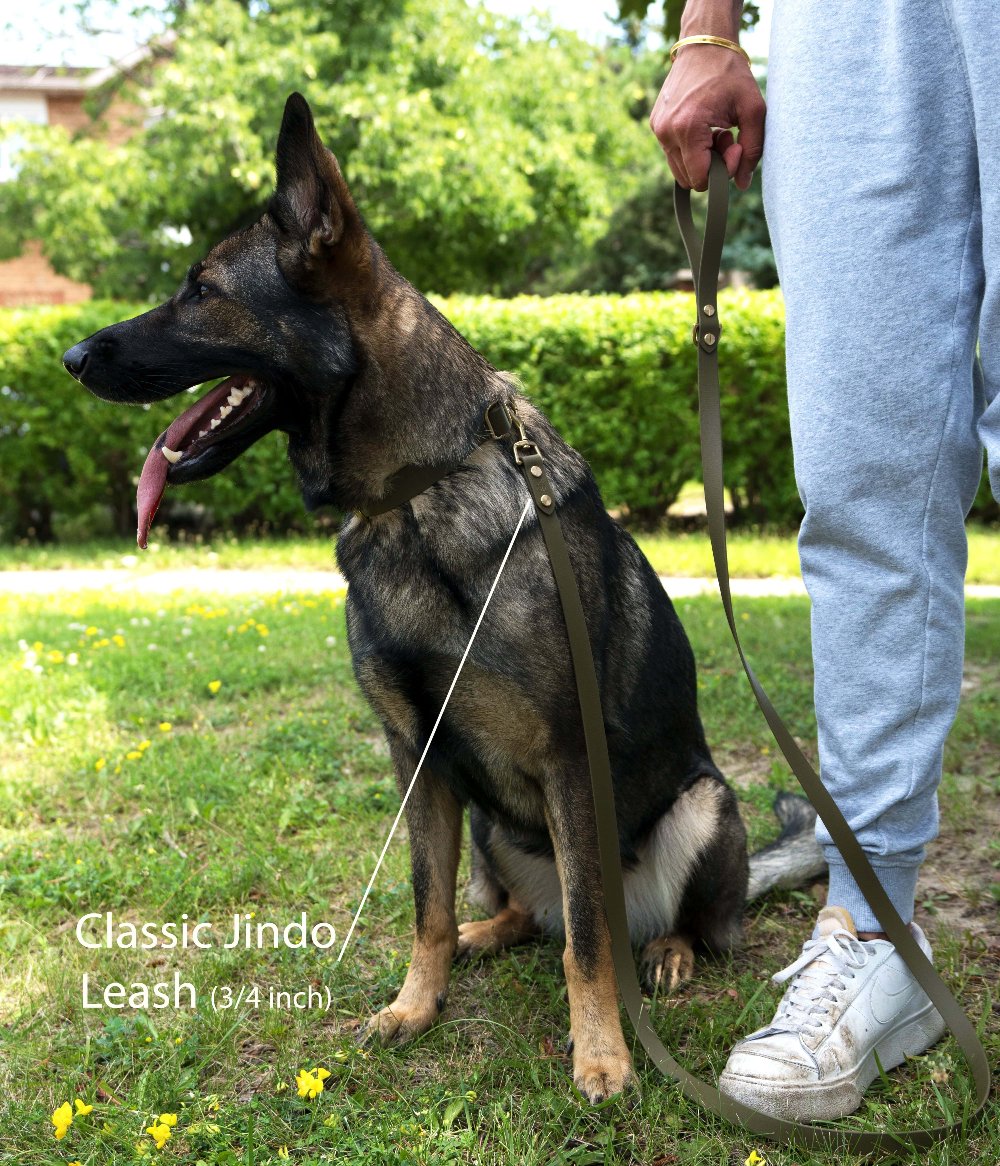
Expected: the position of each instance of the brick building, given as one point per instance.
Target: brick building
(85, 101)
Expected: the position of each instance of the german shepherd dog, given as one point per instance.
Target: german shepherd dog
(320, 337)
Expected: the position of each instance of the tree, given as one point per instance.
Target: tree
(481, 156)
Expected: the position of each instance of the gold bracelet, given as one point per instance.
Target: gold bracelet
(709, 40)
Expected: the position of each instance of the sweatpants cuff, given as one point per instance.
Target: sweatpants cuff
(899, 883)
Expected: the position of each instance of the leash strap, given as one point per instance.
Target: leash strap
(705, 263)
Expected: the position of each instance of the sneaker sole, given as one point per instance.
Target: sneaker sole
(837, 1097)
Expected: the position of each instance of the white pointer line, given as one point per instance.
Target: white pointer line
(416, 772)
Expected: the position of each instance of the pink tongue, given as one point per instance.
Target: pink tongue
(153, 479)
(152, 483)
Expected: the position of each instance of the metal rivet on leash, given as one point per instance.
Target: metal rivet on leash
(708, 310)
(536, 471)
(545, 500)
(709, 338)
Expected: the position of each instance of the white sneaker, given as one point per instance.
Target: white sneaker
(847, 1000)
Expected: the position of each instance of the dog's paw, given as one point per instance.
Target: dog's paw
(667, 962)
(479, 937)
(397, 1023)
(476, 938)
(599, 1078)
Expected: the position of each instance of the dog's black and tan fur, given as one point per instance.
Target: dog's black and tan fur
(366, 376)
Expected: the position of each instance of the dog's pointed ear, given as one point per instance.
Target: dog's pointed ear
(311, 199)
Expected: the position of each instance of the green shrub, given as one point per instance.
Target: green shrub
(617, 375)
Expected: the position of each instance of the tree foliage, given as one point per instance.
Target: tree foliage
(481, 156)
(638, 10)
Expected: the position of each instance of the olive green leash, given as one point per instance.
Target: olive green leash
(705, 262)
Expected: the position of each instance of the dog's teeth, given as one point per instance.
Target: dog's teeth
(214, 423)
(172, 455)
(225, 410)
(235, 397)
(202, 432)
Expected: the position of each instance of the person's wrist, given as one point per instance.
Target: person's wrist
(712, 18)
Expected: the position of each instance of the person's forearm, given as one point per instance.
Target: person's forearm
(712, 18)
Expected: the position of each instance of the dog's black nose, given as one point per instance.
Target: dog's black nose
(75, 359)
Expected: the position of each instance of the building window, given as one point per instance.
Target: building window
(28, 107)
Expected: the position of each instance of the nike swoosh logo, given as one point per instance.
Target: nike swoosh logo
(889, 993)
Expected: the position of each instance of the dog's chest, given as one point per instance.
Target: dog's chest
(492, 744)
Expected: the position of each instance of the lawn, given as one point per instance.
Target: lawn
(212, 757)
(751, 554)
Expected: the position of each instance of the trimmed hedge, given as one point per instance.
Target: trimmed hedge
(617, 376)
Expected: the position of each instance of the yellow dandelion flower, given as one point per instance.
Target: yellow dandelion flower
(262, 630)
(755, 1159)
(143, 746)
(164, 726)
(168, 1119)
(160, 1134)
(102, 643)
(214, 686)
(62, 1119)
(133, 755)
(91, 631)
(76, 1163)
(55, 656)
(82, 1108)
(321, 1074)
(118, 640)
(100, 763)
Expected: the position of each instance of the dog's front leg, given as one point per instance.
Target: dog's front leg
(434, 822)
(602, 1064)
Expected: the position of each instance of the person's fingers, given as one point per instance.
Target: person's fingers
(697, 156)
(660, 124)
(750, 112)
(676, 161)
(730, 150)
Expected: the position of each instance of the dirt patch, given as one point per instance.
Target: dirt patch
(954, 892)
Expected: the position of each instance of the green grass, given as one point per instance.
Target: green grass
(751, 554)
(273, 795)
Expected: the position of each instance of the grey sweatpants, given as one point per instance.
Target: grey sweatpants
(881, 176)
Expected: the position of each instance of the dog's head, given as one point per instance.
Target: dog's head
(270, 308)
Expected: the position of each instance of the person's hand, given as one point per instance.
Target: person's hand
(708, 87)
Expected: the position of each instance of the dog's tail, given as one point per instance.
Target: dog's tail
(795, 857)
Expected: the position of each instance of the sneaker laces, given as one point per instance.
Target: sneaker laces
(820, 973)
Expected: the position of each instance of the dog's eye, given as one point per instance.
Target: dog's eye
(200, 291)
